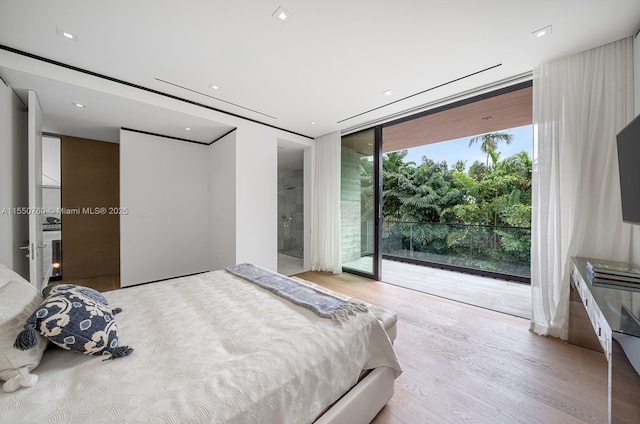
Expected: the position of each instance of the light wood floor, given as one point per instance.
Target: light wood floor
(464, 364)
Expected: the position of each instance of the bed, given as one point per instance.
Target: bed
(214, 348)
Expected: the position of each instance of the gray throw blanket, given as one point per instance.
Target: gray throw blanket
(322, 304)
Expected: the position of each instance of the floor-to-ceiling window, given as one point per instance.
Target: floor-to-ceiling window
(358, 203)
(470, 213)
(456, 194)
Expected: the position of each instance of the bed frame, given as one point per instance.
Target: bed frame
(363, 402)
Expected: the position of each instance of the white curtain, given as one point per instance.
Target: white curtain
(326, 204)
(579, 104)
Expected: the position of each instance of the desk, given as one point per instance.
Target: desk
(605, 319)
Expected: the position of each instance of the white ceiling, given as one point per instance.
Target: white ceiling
(329, 63)
(106, 113)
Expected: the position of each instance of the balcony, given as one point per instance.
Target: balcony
(501, 252)
(422, 256)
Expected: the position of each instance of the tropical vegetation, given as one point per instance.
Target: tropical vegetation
(433, 210)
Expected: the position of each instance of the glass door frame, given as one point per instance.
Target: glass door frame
(377, 194)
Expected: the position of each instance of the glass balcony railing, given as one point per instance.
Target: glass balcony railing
(486, 250)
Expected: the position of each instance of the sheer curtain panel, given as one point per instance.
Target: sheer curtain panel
(326, 205)
(579, 104)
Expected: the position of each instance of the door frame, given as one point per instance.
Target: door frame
(36, 244)
(377, 194)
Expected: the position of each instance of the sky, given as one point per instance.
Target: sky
(452, 151)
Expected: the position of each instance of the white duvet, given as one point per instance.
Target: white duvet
(210, 348)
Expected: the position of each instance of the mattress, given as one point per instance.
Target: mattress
(208, 348)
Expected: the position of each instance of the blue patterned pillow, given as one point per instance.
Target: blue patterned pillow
(75, 318)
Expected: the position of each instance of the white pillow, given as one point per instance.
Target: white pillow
(17, 302)
(7, 274)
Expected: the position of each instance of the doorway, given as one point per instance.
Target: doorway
(291, 205)
(90, 181)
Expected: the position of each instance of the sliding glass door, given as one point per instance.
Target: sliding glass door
(360, 203)
(470, 214)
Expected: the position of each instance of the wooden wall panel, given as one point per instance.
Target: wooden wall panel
(510, 110)
(90, 179)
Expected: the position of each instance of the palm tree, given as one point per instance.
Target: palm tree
(495, 156)
(489, 142)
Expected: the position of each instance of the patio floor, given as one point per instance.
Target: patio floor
(498, 295)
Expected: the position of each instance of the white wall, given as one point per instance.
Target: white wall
(195, 208)
(52, 201)
(223, 202)
(257, 196)
(244, 197)
(14, 229)
(51, 161)
(255, 173)
(165, 184)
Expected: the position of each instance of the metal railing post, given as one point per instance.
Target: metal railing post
(411, 239)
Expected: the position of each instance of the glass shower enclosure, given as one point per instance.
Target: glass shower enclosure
(291, 212)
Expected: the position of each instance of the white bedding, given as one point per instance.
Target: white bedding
(209, 348)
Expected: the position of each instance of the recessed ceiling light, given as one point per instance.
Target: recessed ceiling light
(387, 93)
(80, 105)
(66, 34)
(282, 14)
(187, 128)
(213, 86)
(541, 32)
(312, 122)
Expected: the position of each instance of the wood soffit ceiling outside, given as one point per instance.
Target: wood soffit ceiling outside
(509, 110)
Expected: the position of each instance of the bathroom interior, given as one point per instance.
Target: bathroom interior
(290, 211)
